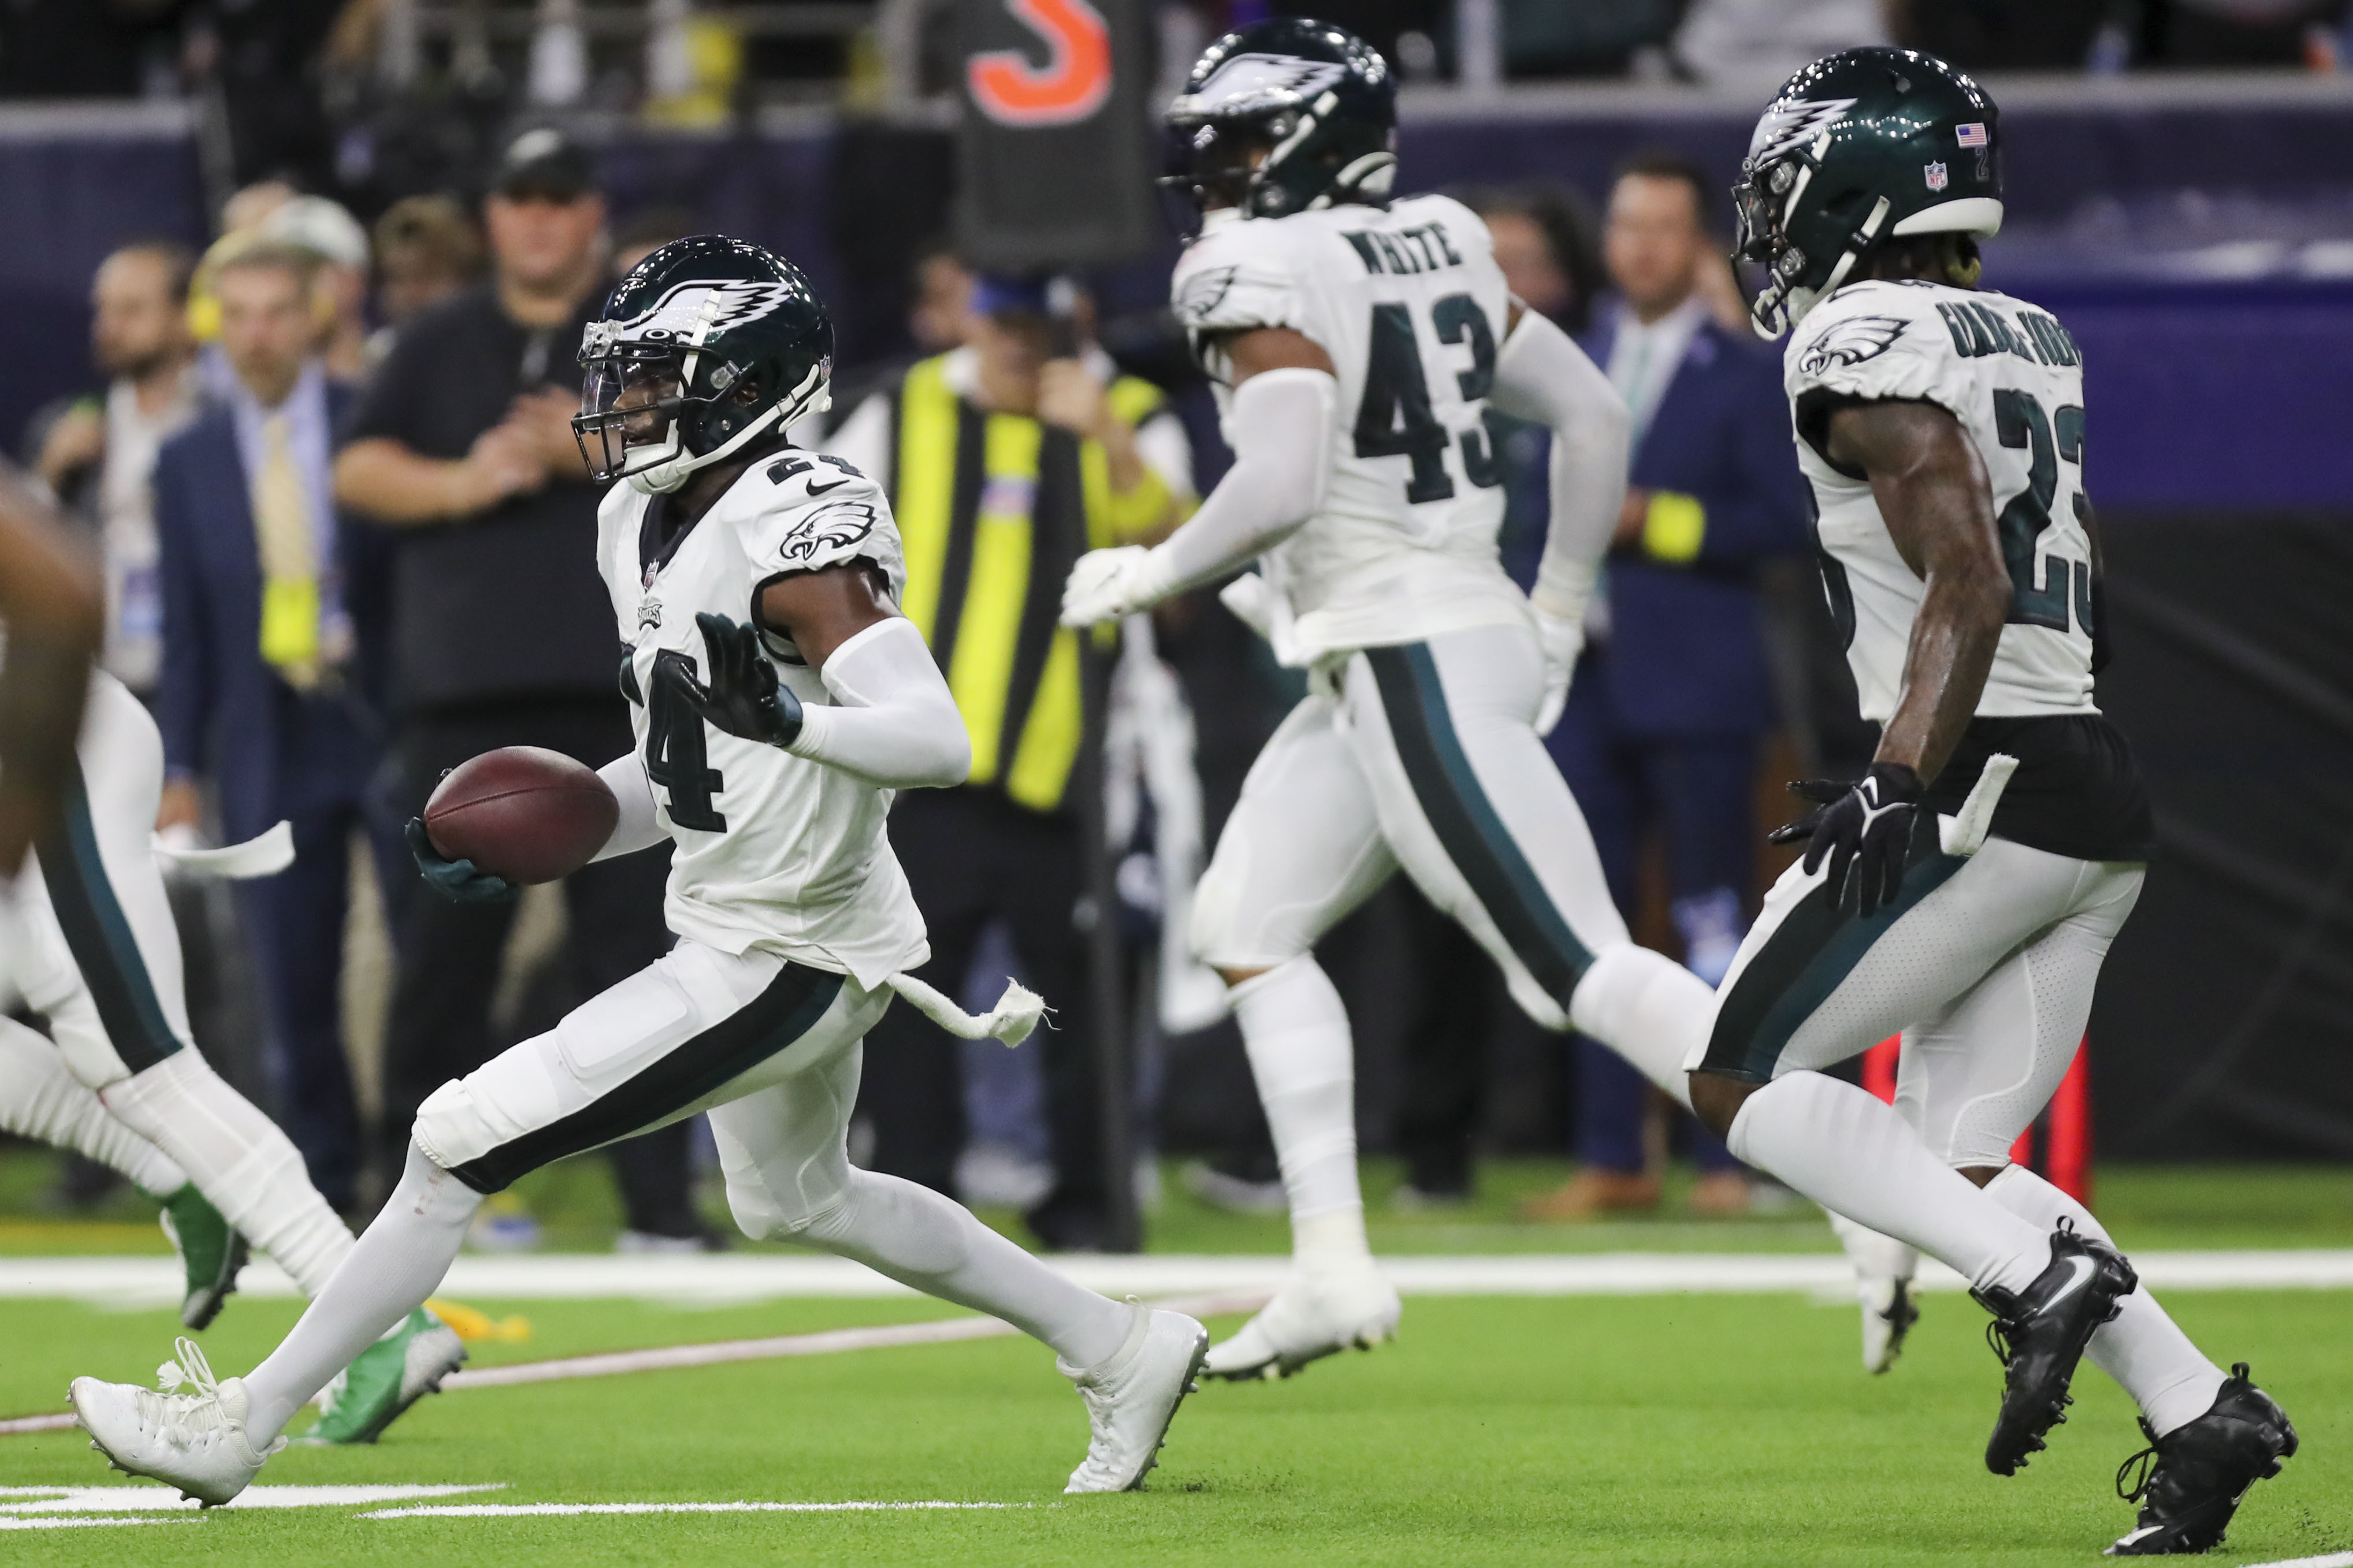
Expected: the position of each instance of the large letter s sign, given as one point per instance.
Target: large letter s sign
(1075, 81)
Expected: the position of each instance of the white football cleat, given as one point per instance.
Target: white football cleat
(1888, 1314)
(1132, 1396)
(1319, 1311)
(195, 1442)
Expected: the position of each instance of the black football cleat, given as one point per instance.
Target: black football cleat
(2040, 1333)
(2193, 1479)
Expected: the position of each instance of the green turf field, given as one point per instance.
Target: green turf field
(1711, 1431)
(1717, 1430)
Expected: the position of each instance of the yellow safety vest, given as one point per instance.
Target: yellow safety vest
(993, 508)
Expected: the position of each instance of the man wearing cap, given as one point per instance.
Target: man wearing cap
(1006, 458)
(502, 633)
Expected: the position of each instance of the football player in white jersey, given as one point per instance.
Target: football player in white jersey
(1359, 344)
(89, 943)
(1942, 429)
(779, 698)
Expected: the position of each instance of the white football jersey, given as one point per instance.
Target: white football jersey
(1411, 308)
(2014, 379)
(772, 850)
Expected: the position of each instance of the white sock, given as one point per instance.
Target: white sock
(41, 1099)
(1296, 1033)
(1874, 1256)
(1855, 1156)
(934, 1244)
(238, 1159)
(388, 1273)
(1649, 1009)
(2144, 1350)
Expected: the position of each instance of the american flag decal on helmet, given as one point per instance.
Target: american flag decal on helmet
(1971, 135)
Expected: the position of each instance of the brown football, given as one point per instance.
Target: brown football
(522, 812)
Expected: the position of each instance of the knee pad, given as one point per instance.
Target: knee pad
(495, 1104)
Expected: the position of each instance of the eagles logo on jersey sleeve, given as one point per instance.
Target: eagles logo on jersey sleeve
(1234, 278)
(819, 512)
(1872, 343)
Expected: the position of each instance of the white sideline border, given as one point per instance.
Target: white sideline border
(725, 1279)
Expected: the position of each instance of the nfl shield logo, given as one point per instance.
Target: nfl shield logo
(1936, 175)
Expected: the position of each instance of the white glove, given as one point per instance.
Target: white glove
(1562, 641)
(1106, 585)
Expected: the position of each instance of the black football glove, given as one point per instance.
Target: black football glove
(1864, 826)
(459, 881)
(742, 697)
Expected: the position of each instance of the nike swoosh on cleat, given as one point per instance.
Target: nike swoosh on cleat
(2084, 1269)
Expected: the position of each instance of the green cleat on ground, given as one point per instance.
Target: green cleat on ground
(388, 1377)
(210, 1250)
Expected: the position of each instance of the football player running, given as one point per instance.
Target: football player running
(1359, 344)
(91, 944)
(767, 755)
(1942, 429)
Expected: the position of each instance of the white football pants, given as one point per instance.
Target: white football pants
(772, 1050)
(1986, 970)
(1424, 757)
(1427, 759)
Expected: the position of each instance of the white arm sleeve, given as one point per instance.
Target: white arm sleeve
(1281, 422)
(640, 827)
(1543, 375)
(896, 726)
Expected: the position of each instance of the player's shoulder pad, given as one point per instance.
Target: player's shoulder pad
(1239, 275)
(803, 512)
(1466, 229)
(1870, 340)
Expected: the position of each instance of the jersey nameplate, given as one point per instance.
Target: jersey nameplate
(1423, 249)
(1979, 329)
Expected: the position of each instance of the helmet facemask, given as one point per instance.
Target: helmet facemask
(1769, 190)
(638, 421)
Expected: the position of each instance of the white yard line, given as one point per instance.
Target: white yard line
(740, 1278)
(831, 1342)
(19, 1502)
(542, 1510)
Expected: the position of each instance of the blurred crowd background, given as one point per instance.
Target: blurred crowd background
(294, 289)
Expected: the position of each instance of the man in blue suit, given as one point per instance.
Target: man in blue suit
(1673, 692)
(267, 605)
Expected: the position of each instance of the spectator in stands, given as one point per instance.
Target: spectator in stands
(266, 598)
(427, 250)
(1673, 693)
(98, 455)
(1062, 449)
(331, 234)
(503, 635)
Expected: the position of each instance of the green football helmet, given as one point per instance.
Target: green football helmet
(1858, 149)
(706, 344)
(1286, 115)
